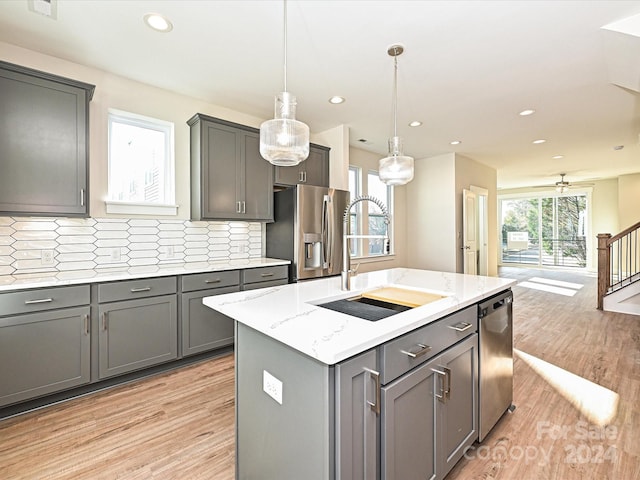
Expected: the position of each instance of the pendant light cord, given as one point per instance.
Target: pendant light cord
(285, 45)
(395, 95)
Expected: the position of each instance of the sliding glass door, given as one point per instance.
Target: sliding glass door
(545, 230)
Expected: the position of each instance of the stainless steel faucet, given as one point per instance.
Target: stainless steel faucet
(347, 273)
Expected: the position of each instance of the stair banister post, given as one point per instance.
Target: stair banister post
(604, 266)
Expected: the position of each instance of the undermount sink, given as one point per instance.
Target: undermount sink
(381, 303)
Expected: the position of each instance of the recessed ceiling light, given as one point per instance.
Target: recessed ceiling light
(415, 123)
(557, 157)
(158, 22)
(618, 147)
(455, 142)
(539, 141)
(528, 111)
(336, 100)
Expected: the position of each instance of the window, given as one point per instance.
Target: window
(141, 165)
(366, 217)
(546, 230)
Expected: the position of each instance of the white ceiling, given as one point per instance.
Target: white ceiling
(469, 67)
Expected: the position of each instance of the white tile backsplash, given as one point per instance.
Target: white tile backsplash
(91, 243)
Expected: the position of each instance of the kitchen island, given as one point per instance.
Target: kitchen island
(325, 395)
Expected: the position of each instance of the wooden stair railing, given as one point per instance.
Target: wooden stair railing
(623, 266)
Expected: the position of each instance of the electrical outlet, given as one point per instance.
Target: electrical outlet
(46, 257)
(115, 255)
(272, 386)
(170, 251)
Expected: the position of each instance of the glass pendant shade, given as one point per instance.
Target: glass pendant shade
(284, 141)
(397, 168)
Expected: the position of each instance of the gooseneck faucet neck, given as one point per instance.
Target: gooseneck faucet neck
(347, 273)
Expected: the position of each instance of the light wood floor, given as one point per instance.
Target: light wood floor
(180, 425)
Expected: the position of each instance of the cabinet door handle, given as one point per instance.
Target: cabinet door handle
(443, 395)
(214, 280)
(40, 300)
(86, 324)
(376, 376)
(82, 197)
(424, 349)
(104, 321)
(447, 391)
(461, 327)
(141, 289)
(238, 207)
(244, 207)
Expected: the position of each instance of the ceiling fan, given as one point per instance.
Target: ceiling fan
(563, 185)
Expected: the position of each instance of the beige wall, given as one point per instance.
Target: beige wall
(431, 227)
(603, 215)
(628, 200)
(369, 161)
(120, 93)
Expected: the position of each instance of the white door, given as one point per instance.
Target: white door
(469, 229)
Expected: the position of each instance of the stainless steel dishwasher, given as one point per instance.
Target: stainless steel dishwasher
(495, 326)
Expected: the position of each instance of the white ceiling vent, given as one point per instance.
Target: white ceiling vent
(48, 8)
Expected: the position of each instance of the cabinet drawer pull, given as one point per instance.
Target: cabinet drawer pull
(141, 289)
(461, 327)
(215, 280)
(40, 300)
(266, 275)
(424, 349)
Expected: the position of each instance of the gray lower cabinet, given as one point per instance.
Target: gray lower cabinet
(140, 331)
(229, 178)
(43, 348)
(44, 143)
(313, 171)
(356, 418)
(429, 416)
(202, 327)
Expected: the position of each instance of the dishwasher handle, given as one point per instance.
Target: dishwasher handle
(494, 304)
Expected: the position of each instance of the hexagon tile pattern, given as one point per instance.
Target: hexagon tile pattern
(36, 245)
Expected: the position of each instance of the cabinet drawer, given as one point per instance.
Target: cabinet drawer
(270, 283)
(402, 354)
(204, 281)
(127, 290)
(265, 274)
(38, 300)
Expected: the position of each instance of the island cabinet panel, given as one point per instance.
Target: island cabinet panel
(229, 178)
(283, 414)
(356, 418)
(44, 143)
(133, 332)
(313, 171)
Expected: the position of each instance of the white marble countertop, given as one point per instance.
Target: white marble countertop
(290, 314)
(56, 279)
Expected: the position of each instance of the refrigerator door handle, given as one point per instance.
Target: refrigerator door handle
(326, 233)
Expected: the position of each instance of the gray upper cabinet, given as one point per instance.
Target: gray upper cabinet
(313, 171)
(229, 178)
(44, 143)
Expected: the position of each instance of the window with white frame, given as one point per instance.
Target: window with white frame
(366, 217)
(141, 165)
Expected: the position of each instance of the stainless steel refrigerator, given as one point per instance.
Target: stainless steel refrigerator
(308, 230)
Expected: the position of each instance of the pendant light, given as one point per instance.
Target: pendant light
(396, 168)
(284, 141)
